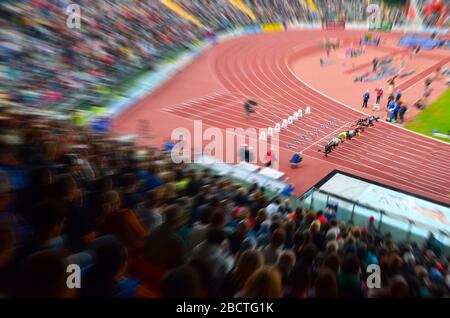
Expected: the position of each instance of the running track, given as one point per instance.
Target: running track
(258, 67)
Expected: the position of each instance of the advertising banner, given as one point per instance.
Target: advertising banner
(381, 26)
(250, 29)
(272, 27)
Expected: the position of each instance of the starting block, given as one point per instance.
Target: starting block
(300, 113)
(290, 146)
(295, 116)
(269, 131)
(308, 110)
(262, 135)
(284, 124)
(277, 127)
(290, 120)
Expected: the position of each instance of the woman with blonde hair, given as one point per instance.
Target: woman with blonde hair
(264, 283)
(246, 264)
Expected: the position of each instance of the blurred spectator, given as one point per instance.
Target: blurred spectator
(163, 246)
(273, 250)
(181, 282)
(246, 264)
(264, 283)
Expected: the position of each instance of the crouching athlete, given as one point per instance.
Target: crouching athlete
(343, 136)
(363, 122)
(327, 149)
(359, 129)
(351, 133)
(372, 119)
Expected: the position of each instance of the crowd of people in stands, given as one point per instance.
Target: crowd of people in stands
(139, 225)
(434, 13)
(282, 11)
(45, 64)
(217, 15)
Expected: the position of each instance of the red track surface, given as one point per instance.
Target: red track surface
(213, 87)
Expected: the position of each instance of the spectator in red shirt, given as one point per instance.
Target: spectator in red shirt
(321, 218)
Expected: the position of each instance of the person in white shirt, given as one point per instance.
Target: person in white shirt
(273, 207)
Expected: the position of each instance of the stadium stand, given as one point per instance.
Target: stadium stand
(137, 224)
(140, 226)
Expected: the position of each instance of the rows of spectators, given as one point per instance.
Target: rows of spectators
(282, 11)
(46, 64)
(434, 13)
(217, 15)
(139, 225)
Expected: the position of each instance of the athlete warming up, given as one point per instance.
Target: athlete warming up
(248, 107)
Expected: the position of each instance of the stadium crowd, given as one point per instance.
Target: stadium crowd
(217, 15)
(282, 11)
(434, 12)
(140, 226)
(45, 64)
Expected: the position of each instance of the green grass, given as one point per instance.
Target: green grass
(435, 117)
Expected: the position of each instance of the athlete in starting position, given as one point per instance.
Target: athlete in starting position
(343, 136)
(372, 119)
(359, 129)
(335, 142)
(351, 134)
(363, 122)
(327, 149)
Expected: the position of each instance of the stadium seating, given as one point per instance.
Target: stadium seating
(136, 223)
